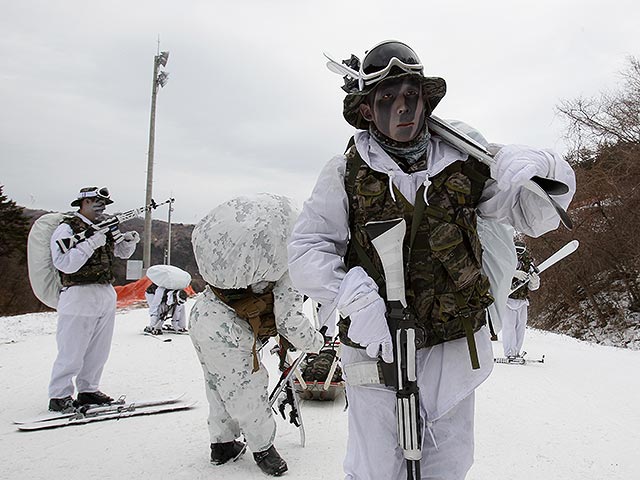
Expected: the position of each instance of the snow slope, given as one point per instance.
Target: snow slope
(575, 416)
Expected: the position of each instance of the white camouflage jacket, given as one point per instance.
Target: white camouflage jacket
(320, 237)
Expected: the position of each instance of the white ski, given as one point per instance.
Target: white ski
(157, 337)
(543, 187)
(565, 251)
(285, 385)
(521, 360)
(87, 409)
(123, 411)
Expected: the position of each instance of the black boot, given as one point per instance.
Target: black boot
(63, 405)
(93, 398)
(270, 462)
(223, 452)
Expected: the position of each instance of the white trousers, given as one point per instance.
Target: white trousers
(157, 315)
(179, 318)
(238, 399)
(514, 325)
(372, 447)
(86, 318)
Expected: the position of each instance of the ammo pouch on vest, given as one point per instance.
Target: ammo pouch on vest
(99, 266)
(256, 309)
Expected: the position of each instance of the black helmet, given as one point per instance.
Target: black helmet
(387, 60)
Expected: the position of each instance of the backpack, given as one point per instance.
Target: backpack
(43, 276)
(169, 277)
(256, 309)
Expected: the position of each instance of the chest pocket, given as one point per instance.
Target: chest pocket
(453, 239)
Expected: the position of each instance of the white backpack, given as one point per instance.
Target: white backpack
(44, 277)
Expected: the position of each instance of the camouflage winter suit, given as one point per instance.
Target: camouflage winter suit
(238, 399)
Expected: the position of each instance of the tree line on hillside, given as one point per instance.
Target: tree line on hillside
(595, 293)
(14, 228)
(16, 296)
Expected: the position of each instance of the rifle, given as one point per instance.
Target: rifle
(110, 224)
(387, 238)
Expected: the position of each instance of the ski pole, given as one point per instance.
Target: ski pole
(285, 376)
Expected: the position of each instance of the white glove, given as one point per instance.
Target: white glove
(516, 164)
(521, 275)
(97, 240)
(369, 328)
(131, 236)
(359, 300)
(534, 281)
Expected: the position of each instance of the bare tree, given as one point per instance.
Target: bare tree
(613, 117)
(598, 288)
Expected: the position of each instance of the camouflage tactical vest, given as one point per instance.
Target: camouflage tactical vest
(99, 266)
(445, 286)
(257, 309)
(524, 263)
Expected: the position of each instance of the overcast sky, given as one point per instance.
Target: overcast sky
(250, 106)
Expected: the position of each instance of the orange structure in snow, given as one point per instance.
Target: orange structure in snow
(134, 292)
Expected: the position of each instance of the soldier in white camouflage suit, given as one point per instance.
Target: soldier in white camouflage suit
(240, 248)
(396, 167)
(515, 321)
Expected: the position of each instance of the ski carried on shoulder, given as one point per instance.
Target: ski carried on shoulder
(91, 413)
(519, 360)
(543, 187)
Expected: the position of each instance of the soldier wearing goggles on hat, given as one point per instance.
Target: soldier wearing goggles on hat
(87, 304)
(394, 167)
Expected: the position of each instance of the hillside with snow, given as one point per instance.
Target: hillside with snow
(574, 417)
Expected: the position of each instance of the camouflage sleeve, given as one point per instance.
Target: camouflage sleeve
(291, 322)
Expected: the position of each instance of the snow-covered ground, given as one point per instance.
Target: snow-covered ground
(574, 417)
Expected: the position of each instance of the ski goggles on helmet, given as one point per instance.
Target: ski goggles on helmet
(381, 59)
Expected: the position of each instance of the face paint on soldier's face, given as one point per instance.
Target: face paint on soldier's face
(398, 109)
(98, 206)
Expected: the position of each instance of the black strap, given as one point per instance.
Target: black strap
(418, 212)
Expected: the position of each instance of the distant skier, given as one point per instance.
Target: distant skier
(87, 304)
(395, 167)
(240, 248)
(165, 304)
(514, 322)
